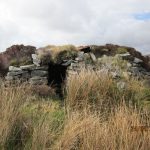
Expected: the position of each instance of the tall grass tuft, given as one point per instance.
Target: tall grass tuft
(97, 90)
(90, 131)
(11, 101)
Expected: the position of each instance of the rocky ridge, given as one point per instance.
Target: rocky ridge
(128, 62)
(15, 54)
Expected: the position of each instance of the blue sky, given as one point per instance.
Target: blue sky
(79, 22)
(142, 16)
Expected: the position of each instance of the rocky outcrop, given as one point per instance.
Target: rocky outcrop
(15, 55)
(98, 57)
(89, 57)
(112, 50)
(145, 59)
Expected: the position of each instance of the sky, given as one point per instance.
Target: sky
(79, 22)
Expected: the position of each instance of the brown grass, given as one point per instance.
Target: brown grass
(56, 53)
(97, 90)
(98, 116)
(11, 100)
(86, 131)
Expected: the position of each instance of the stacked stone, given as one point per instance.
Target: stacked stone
(33, 74)
(83, 60)
(135, 66)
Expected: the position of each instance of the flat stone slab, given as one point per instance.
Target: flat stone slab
(14, 73)
(93, 57)
(40, 73)
(67, 63)
(28, 67)
(45, 68)
(12, 68)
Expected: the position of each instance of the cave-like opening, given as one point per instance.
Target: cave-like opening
(56, 77)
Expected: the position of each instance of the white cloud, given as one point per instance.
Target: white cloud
(42, 22)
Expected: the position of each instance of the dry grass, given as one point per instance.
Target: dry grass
(86, 131)
(99, 116)
(11, 100)
(97, 90)
(56, 53)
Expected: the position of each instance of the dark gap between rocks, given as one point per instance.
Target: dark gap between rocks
(56, 77)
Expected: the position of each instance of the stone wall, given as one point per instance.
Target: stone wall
(33, 74)
(29, 73)
(37, 74)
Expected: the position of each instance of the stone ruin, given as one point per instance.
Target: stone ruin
(55, 74)
(49, 74)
